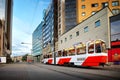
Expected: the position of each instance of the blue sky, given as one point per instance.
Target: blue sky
(27, 15)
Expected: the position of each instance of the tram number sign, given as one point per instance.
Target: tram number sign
(80, 59)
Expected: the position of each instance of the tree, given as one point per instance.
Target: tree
(24, 58)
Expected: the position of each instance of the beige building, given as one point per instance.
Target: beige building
(95, 27)
(61, 17)
(84, 9)
(6, 28)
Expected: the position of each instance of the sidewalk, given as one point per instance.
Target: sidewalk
(111, 67)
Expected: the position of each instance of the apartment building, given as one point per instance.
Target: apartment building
(95, 27)
(72, 12)
(6, 28)
(86, 8)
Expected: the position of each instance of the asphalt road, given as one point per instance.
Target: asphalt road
(24, 71)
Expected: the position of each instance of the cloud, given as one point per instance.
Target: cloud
(20, 34)
(25, 20)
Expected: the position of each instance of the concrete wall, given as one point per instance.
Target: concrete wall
(101, 32)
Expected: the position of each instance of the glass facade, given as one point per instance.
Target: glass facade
(48, 28)
(37, 40)
(2, 9)
(70, 14)
(115, 27)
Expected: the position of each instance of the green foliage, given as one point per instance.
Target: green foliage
(24, 58)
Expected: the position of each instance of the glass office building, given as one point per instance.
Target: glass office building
(70, 14)
(37, 41)
(115, 27)
(50, 27)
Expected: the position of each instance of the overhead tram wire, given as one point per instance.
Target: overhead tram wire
(34, 13)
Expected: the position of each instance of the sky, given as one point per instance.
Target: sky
(27, 15)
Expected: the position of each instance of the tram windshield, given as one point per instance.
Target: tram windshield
(97, 46)
(100, 46)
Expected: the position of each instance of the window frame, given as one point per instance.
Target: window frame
(83, 14)
(115, 3)
(86, 29)
(70, 36)
(65, 39)
(83, 6)
(77, 33)
(96, 23)
(94, 5)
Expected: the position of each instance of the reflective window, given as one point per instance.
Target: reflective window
(97, 23)
(2, 9)
(77, 33)
(83, 6)
(70, 36)
(93, 12)
(65, 39)
(86, 29)
(82, 0)
(104, 4)
(115, 3)
(116, 11)
(83, 13)
(94, 5)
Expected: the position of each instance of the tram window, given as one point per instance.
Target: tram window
(98, 48)
(91, 48)
(64, 53)
(71, 52)
(81, 50)
(59, 53)
(103, 47)
(50, 56)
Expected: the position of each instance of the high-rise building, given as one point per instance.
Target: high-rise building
(50, 28)
(6, 28)
(95, 27)
(37, 42)
(66, 15)
(72, 12)
(86, 8)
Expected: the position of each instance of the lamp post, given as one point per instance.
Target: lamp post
(28, 44)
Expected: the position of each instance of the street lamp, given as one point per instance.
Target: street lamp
(28, 44)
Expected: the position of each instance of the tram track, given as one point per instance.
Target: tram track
(77, 73)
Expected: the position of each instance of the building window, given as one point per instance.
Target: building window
(95, 5)
(104, 4)
(65, 39)
(77, 33)
(70, 36)
(59, 19)
(61, 41)
(83, 6)
(59, 26)
(82, 0)
(93, 12)
(59, 32)
(116, 11)
(83, 13)
(97, 23)
(115, 3)
(86, 29)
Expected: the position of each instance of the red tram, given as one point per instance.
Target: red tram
(91, 53)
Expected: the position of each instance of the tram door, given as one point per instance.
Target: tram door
(54, 57)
